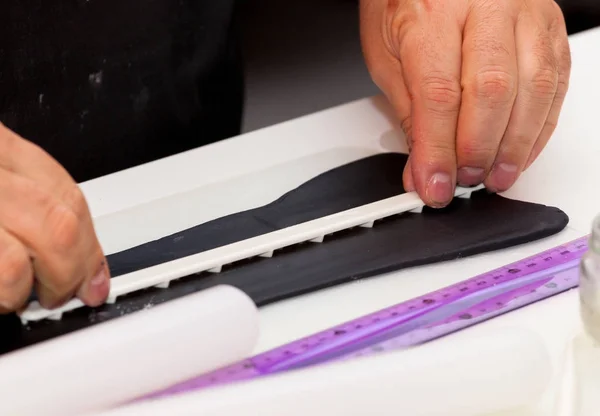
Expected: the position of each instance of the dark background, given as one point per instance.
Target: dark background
(304, 56)
(581, 14)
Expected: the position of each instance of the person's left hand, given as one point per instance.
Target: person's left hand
(477, 85)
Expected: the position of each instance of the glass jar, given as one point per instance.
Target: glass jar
(589, 284)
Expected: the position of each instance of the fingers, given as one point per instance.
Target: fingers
(489, 79)
(64, 250)
(399, 98)
(385, 68)
(95, 288)
(46, 211)
(397, 95)
(538, 83)
(562, 51)
(431, 67)
(407, 179)
(486, 81)
(16, 273)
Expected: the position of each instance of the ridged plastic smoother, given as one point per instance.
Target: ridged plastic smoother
(264, 245)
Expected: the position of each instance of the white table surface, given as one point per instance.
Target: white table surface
(255, 168)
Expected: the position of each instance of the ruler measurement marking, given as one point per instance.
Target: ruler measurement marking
(542, 275)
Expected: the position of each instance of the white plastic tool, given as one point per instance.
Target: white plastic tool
(116, 361)
(263, 245)
(501, 370)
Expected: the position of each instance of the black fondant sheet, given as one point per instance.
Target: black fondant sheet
(467, 227)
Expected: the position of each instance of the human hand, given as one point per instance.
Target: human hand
(477, 85)
(47, 239)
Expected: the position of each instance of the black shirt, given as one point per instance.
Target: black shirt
(103, 85)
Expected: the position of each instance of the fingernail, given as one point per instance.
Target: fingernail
(503, 176)
(101, 277)
(439, 188)
(97, 289)
(469, 176)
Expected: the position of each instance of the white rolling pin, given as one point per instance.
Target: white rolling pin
(113, 362)
(456, 376)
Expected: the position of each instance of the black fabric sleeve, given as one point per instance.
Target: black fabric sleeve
(106, 85)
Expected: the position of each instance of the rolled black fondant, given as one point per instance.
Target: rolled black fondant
(349, 186)
(467, 227)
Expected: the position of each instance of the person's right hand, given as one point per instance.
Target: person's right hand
(47, 238)
(477, 86)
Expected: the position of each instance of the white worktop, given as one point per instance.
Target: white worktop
(162, 197)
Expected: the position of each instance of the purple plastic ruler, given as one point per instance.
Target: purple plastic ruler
(415, 321)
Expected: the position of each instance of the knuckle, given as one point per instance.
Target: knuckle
(441, 93)
(551, 125)
(435, 150)
(554, 22)
(37, 195)
(399, 27)
(63, 227)
(492, 88)
(517, 148)
(476, 152)
(62, 281)
(14, 265)
(428, 5)
(406, 126)
(75, 200)
(556, 16)
(555, 8)
(543, 84)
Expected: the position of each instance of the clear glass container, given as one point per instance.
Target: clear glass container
(589, 284)
(579, 393)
